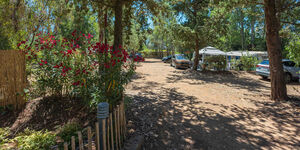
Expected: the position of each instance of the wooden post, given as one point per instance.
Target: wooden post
(107, 131)
(73, 143)
(118, 123)
(124, 121)
(65, 146)
(89, 138)
(104, 134)
(121, 121)
(97, 137)
(116, 129)
(111, 131)
(80, 140)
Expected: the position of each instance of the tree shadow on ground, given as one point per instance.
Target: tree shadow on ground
(230, 79)
(172, 120)
(138, 76)
(147, 61)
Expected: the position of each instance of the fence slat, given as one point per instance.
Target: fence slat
(97, 136)
(89, 130)
(121, 122)
(104, 134)
(65, 146)
(111, 131)
(116, 129)
(80, 140)
(124, 121)
(73, 143)
(118, 125)
(107, 131)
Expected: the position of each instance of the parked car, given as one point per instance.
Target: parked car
(290, 69)
(167, 59)
(180, 61)
(137, 57)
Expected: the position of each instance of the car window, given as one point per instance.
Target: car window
(265, 62)
(180, 57)
(289, 64)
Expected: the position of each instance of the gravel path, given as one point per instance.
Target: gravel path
(182, 109)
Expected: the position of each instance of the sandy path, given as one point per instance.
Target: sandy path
(179, 109)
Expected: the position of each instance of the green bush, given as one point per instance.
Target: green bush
(67, 131)
(4, 132)
(293, 49)
(235, 64)
(216, 62)
(75, 67)
(249, 62)
(246, 63)
(35, 140)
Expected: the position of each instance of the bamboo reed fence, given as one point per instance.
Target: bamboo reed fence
(12, 78)
(114, 133)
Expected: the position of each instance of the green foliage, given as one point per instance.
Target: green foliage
(249, 63)
(4, 132)
(215, 62)
(68, 130)
(246, 63)
(236, 64)
(35, 140)
(293, 49)
(76, 67)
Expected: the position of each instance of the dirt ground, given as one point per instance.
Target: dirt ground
(181, 109)
(47, 113)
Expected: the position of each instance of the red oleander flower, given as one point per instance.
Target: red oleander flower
(90, 36)
(106, 66)
(69, 52)
(76, 83)
(74, 32)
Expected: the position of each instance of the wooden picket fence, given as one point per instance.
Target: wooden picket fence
(114, 133)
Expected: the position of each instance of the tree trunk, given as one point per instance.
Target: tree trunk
(242, 29)
(252, 33)
(196, 60)
(118, 30)
(15, 16)
(253, 27)
(278, 85)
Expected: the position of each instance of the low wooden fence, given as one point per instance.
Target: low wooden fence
(12, 78)
(113, 133)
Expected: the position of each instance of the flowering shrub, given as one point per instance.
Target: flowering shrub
(76, 67)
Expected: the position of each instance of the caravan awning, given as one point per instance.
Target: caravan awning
(247, 53)
(211, 51)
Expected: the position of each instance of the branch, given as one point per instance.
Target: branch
(104, 4)
(40, 20)
(288, 6)
(292, 23)
(254, 2)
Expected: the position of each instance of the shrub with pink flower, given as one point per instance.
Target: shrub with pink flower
(77, 68)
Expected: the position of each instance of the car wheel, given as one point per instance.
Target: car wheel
(264, 77)
(288, 78)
